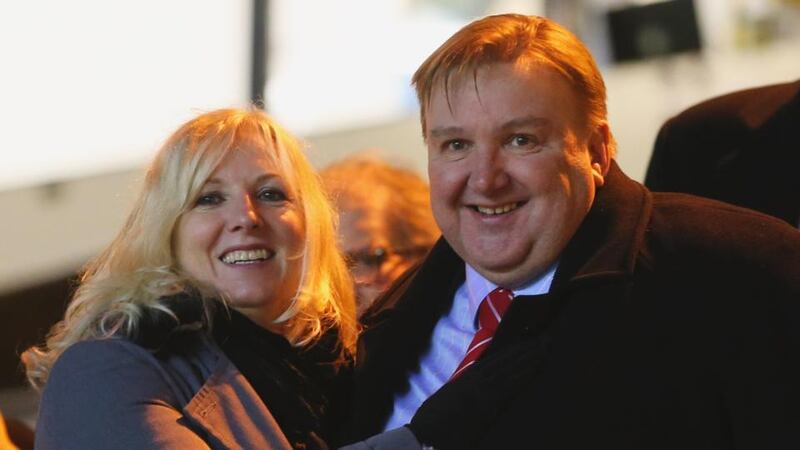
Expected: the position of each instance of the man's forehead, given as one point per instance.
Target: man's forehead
(525, 121)
(458, 74)
(538, 81)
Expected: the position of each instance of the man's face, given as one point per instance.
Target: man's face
(513, 168)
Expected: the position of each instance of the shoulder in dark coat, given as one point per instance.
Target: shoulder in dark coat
(739, 148)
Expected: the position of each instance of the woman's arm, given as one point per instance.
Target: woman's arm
(111, 394)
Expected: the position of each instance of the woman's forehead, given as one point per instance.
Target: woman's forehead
(253, 156)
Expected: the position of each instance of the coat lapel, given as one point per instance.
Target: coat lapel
(398, 330)
(608, 242)
(228, 409)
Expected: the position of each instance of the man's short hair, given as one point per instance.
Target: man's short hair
(515, 38)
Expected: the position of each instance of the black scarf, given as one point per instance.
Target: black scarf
(298, 385)
(301, 386)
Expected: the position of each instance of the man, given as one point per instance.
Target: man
(661, 321)
(740, 148)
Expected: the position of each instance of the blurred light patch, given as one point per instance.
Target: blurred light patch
(348, 63)
(90, 86)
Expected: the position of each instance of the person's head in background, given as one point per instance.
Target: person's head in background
(514, 117)
(229, 208)
(385, 220)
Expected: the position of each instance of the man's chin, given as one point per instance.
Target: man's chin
(501, 274)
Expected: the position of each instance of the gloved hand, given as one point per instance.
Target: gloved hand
(457, 415)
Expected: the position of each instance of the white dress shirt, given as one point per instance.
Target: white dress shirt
(450, 339)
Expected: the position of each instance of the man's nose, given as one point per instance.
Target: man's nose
(489, 171)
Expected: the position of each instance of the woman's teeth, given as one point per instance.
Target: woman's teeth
(245, 256)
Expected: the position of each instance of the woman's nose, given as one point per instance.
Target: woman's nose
(246, 215)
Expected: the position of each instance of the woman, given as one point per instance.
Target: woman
(221, 316)
(385, 221)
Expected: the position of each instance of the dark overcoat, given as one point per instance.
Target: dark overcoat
(673, 322)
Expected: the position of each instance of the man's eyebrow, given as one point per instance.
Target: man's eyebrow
(526, 121)
(535, 121)
(444, 131)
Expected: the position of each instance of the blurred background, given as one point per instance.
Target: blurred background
(90, 88)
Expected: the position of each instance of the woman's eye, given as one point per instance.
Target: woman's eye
(209, 199)
(272, 195)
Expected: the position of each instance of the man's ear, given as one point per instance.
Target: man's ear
(600, 153)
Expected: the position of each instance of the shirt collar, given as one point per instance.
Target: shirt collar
(479, 287)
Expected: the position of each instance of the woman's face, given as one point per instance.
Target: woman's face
(365, 237)
(244, 236)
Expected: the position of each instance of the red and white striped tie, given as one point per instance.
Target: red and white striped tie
(490, 311)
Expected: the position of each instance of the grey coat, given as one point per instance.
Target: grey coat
(115, 394)
(106, 394)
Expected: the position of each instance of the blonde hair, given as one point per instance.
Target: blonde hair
(401, 197)
(515, 38)
(138, 269)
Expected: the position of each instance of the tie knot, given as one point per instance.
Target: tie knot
(492, 308)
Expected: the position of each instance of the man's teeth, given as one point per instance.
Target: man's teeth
(245, 256)
(498, 210)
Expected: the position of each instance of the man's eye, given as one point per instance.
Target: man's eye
(521, 140)
(209, 199)
(455, 144)
(272, 195)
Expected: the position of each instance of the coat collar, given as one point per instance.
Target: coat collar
(610, 238)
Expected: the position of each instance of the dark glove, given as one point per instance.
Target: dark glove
(458, 414)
